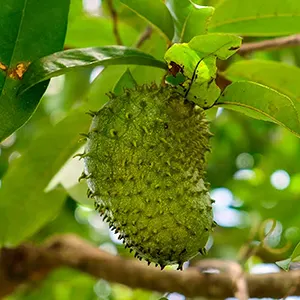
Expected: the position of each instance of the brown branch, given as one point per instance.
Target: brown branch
(144, 36)
(29, 263)
(234, 270)
(273, 44)
(114, 16)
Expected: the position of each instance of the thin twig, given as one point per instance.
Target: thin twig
(247, 250)
(272, 44)
(114, 16)
(144, 36)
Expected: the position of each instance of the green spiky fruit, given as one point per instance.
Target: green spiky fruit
(145, 161)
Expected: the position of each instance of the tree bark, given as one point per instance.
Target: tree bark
(272, 44)
(28, 263)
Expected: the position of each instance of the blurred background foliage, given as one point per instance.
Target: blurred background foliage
(253, 167)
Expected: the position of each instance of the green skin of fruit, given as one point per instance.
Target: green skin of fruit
(145, 163)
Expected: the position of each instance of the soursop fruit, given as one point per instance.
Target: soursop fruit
(145, 164)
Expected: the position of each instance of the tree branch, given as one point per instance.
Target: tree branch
(234, 270)
(277, 43)
(114, 16)
(144, 36)
(31, 263)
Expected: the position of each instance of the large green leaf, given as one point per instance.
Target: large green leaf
(180, 10)
(188, 55)
(197, 22)
(62, 62)
(256, 17)
(24, 205)
(279, 76)
(30, 29)
(155, 12)
(262, 103)
(190, 19)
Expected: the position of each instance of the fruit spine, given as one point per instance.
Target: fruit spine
(145, 164)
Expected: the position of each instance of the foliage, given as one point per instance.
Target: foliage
(253, 170)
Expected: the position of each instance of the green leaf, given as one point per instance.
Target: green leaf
(295, 257)
(185, 57)
(64, 223)
(155, 46)
(197, 22)
(61, 284)
(154, 12)
(190, 19)
(196, 61)
(24, 205)
(260, 102)
(296, 254)
(180, 11)
(188, 55)
(221, 45)
(279, 76)
(284, 264)
(84, 30)
(75, 86)
(256, 17)
(62, 62)
(30, 29)
(199, 74)
(78, 193)
(103, 84)
(126, 81)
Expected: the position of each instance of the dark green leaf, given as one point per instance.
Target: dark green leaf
(62, 62)
(30, 29)
(256, 17)
(178, 79)
(126, 81)
(25, 206)
(155, 12)
(262, 103)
